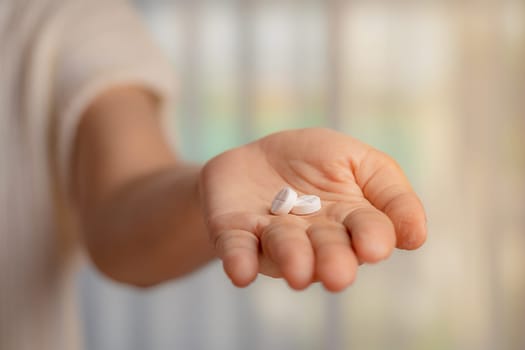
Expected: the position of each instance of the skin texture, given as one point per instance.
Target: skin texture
(149, 217)
(138, 203)
(364, 193)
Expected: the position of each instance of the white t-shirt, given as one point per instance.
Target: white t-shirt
(55, 57)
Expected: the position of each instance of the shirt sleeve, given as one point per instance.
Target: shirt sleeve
(103, 44)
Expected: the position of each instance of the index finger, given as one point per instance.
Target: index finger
(385, 186)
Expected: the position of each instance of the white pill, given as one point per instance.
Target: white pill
(305, 205)
(283, 201)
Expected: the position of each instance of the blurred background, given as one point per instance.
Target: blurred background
(439, 85)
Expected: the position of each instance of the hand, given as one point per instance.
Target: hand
(368, 209)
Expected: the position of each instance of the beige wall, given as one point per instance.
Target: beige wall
(439, 85)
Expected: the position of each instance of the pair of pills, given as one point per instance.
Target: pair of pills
(287, 201)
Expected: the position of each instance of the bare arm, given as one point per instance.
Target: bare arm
(139, 204)
(143, 222)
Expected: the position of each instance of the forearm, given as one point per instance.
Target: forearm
(139, 204)
(151, 230)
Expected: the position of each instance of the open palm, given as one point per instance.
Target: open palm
(368, 209)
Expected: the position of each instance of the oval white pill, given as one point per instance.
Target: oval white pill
(284, 201)
(305, 205)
